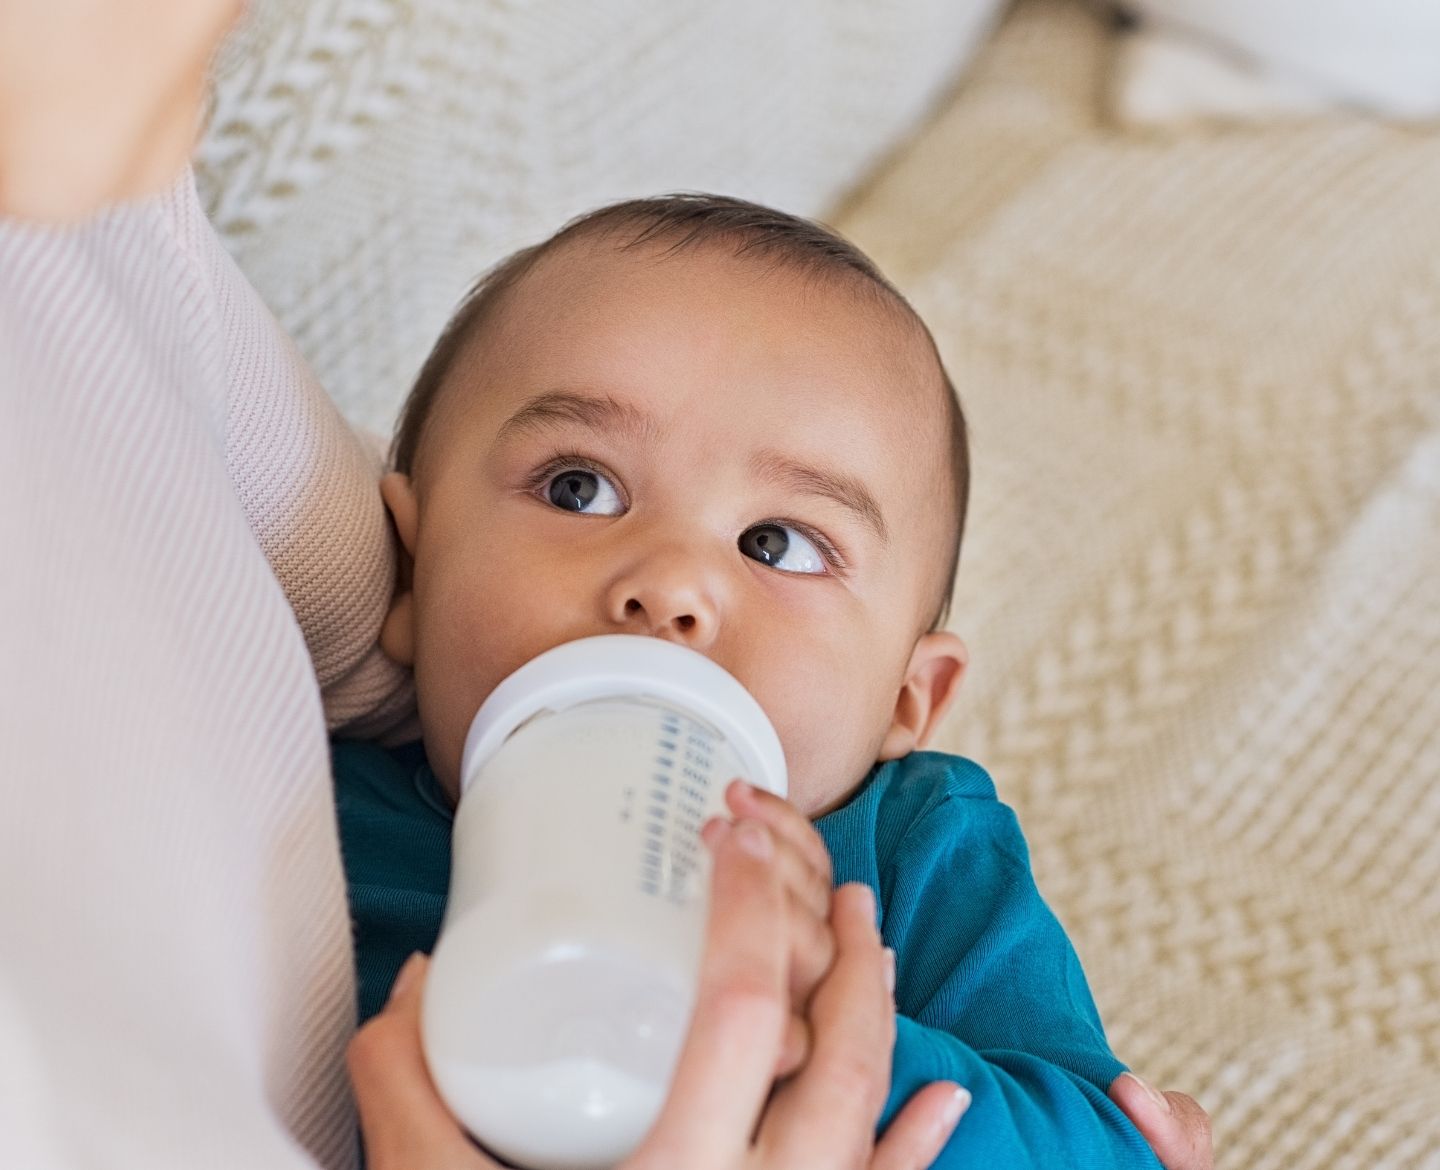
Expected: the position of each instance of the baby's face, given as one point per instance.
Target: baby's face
(694, 447)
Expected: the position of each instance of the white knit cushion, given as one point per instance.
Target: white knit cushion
(1165, 76)
(1380, 54)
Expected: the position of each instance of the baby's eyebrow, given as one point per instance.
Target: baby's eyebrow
(601, 412)
(845, 490)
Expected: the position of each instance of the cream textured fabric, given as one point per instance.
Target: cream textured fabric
(1202, 585)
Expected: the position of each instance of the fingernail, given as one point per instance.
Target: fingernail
(890, 970)
(869, 898)
(405, 978)
(755, 840)
(955, 1108)
(741, 787)
(1162, 1102)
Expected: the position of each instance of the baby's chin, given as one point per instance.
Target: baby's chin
(815, 798)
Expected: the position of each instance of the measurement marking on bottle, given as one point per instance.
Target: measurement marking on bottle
(653, 859)
(684, 766)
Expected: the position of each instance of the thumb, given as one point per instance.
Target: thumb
(1177, 1129)
(403, 1121)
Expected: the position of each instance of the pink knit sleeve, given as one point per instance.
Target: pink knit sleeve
(309, 486)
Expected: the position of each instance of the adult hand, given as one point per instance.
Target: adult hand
(720, 1114)
(100, 100)
(1177, 1129)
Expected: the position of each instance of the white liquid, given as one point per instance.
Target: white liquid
(616, 1112)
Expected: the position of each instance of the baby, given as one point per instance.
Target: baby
(697, 419)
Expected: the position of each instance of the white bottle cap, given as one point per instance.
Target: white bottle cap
(629, 666)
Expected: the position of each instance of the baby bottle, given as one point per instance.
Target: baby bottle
(562, 983)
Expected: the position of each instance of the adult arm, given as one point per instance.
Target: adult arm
(111, 115)
(175, 985)
(309, 485)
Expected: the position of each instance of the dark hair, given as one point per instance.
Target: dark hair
(684, 221)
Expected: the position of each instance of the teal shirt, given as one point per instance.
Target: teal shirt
(988, 991)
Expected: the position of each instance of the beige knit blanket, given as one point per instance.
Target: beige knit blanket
(1202, 587)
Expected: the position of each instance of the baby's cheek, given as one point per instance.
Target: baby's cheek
(453, 675)
(837, 719)
(828, 738)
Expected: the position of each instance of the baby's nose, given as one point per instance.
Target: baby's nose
(666, 597)
(684, 622)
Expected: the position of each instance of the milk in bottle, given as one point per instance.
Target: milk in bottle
(562, 983)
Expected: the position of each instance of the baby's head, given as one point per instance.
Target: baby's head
(701, 420)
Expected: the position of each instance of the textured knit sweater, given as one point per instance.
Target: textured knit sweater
(988, 990)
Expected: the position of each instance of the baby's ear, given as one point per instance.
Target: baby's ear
(932, 679)
(397, 634)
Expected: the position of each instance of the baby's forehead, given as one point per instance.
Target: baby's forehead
(574, 269)
(826, 307)
(678, 284)
(592, 288)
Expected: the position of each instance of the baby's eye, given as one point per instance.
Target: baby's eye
(577, 489)
(782, 547)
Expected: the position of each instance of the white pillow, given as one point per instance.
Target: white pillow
(1165, 76)
(1383, 55)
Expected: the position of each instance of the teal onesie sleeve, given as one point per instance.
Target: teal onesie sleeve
(989, 992)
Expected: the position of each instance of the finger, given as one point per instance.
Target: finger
(728, 1061)
(795, 1050)
(1177, 1129)
(826, 1114)
(796, 862)
(807, 883)
(403, 1121)
(812, 951)
(789, 823)
(917, 1134)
